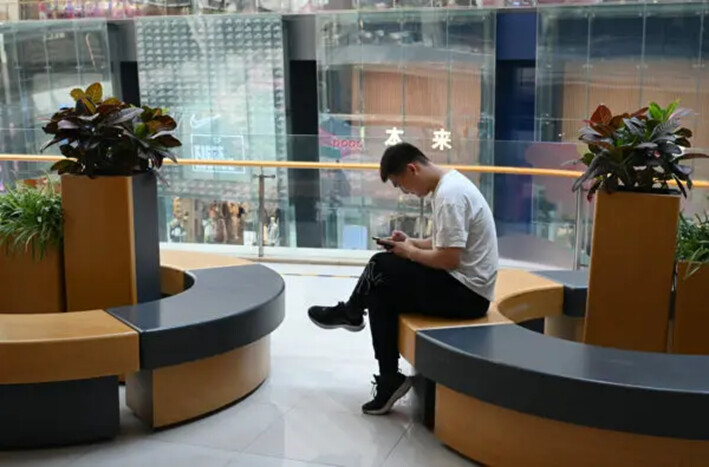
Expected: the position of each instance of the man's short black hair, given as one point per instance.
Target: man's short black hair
(397, 157)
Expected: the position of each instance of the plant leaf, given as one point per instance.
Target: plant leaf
(691, 156)
(602, 115)
(77, 94)
(64, 166)
(95, 92)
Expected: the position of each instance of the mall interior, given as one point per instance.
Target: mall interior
(168, 324)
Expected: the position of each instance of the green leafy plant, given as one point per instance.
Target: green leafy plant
(110, 137)
(693, 242)
(641, 151)
(31, 219)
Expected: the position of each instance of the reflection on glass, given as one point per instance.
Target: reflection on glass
(624, 56)
(422, 76)
(42, 62)
(222, 77)
(535, 225)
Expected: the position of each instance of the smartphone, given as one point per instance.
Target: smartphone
(386, 246)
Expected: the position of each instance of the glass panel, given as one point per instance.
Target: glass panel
(222, 77)
(615, 60)
(562, 72)
(42, 62)
(217, 207)
(671, 58)
(422, 76)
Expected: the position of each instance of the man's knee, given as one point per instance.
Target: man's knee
(386, 263)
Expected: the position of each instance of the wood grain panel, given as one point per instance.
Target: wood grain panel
(20, 277)
(519, 295)
(174, 394)
(194, 260)
(631, 270)
(65, 346)
(99, 245)
(691, 321)
(410, 325)
(172, 280)
(499, 437)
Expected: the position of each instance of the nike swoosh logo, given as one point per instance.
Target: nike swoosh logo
(198, 123)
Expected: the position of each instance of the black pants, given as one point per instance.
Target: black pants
(390, 286)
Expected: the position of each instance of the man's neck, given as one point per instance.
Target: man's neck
(436, 174)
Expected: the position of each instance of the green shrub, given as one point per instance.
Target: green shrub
(31, 220)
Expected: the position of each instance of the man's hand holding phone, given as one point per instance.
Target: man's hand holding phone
(398, 243)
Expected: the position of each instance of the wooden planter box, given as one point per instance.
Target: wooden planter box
(111, 243)
(691, 322)
(29, 285)
(631, 270)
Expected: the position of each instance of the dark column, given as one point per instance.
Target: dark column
(514, 116)
(302, 102)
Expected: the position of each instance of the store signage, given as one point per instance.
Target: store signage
(441, 138)
(394, 138)
(217, 148)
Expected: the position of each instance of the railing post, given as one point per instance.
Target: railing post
(578, 229)
(261, 209)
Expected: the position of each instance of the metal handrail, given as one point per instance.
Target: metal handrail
(489, 169)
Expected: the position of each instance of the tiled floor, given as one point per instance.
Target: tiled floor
(306, 414)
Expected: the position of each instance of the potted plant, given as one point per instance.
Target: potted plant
(691, 321)
(640, 156)
(109, 194)
(30, 250)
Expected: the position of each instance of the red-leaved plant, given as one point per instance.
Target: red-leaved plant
(639, 152)
(110, 137)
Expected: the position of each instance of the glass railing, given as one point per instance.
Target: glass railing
(321, 197)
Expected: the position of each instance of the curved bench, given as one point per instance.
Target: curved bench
(207, 346)
(509, 396)
(184, 355)
(59, 376)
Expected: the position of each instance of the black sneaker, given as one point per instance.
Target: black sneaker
(338, 316)
(387, 390)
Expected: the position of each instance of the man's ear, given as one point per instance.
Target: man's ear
(413, 168)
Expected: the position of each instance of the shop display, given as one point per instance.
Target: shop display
(223, 76)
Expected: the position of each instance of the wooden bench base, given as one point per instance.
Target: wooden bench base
(174, 394)
(502, 437)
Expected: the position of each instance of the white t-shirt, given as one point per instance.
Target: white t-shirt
(463, 219)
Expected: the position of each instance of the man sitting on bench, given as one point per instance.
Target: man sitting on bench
(450, 275)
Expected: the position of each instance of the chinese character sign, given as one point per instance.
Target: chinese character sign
(441, 140)
(394, 137)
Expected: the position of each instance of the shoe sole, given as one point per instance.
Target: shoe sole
(398, 394)
(347, 327)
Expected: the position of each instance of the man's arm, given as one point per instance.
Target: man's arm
(422, 243)
(437, 258)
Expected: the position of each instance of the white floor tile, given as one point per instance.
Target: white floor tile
(148, 453)
(231, 429)
(331, 437)
(252, 460)
(59, 457)
(419, 448)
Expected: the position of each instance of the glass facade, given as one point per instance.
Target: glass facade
(222, 78)
(424, 72)
(423, 76)
(624, 56)
(40, 63)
